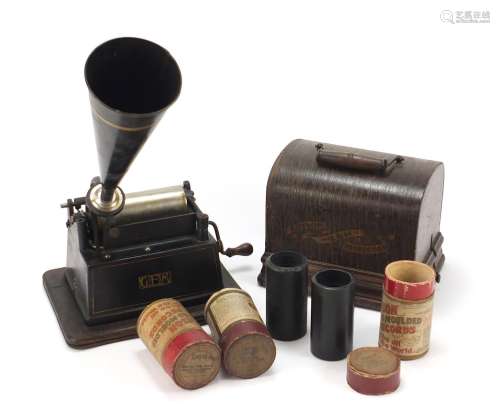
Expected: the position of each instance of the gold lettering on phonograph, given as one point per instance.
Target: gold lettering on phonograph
(147, 281)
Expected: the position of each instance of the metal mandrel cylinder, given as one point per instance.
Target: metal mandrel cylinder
(247, 348)
(178, 343)
(151, 204)
(286, 295)
(332, 310)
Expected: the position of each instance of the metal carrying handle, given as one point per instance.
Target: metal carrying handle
(355, 161)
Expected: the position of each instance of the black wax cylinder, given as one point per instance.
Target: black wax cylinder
(332, 309)
(286, 295)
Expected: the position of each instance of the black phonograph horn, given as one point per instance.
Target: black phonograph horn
(131, 83)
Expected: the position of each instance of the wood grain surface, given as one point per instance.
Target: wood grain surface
(342, 215)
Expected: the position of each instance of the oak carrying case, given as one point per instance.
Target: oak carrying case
(354, 209)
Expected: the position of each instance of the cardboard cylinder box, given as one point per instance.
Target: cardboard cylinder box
(373, 371)
(183, 349)
(406, 312)
(247, 347)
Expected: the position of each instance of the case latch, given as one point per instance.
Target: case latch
(435, 256)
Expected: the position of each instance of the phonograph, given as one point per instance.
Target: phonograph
(125, 250)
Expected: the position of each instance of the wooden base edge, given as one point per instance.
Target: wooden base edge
(78, 334)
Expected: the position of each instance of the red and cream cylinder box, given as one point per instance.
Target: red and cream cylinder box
(188, 354)
(373, 371)
(406, 311)
(247, 347)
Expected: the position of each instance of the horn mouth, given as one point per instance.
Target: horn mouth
(133, 75)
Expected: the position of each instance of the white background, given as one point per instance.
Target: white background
(382, 75)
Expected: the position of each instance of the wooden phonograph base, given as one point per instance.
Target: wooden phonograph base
(78, 334)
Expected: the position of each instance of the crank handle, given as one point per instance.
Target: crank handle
(245, 249)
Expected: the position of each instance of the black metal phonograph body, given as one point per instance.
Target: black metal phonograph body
(127, 250)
